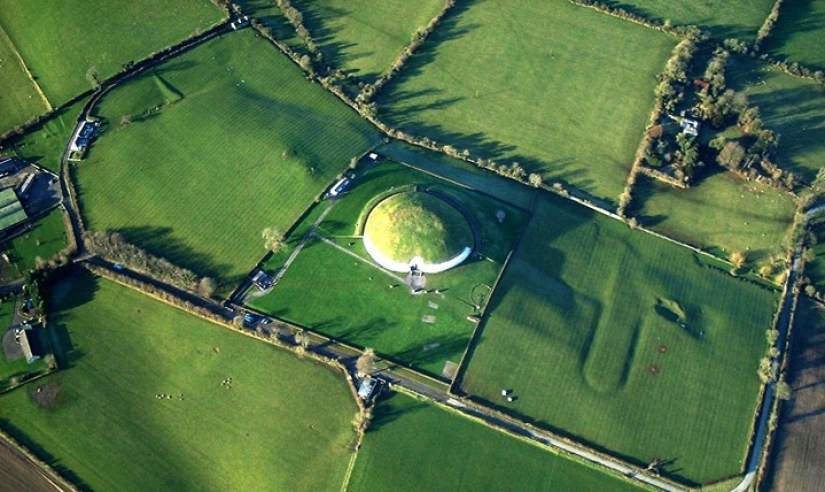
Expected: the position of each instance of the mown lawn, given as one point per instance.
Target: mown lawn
(61, 40)
(723, 18)
(363, 38)
(412, 445)
(624, 341)
(791, 106)
(19, 100)
(224, 141)
(340, 295)
(47, 237)
(722, 213)
(281, 423)
(563, 90)
(797, 36)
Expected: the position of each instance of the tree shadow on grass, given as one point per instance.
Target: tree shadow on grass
(390, 408)
(160, 242)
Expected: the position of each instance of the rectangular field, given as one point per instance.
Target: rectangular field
(363, 38)
(213, 147)
(722, 213)
(412, 445)
(722, 18)
(791, 106)
(626, 342)
(335, 287)
(798, 458)
(46, 239)
(534, 83)
(19, 99)
(63, 41)
(797, 36)
(240, 405)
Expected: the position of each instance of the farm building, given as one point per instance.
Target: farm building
(82, 135)
(11, 210)
(367, 387)
(261, 280)
(23, 334)
(690, 127)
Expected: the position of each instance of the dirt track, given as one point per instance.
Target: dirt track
(19, 474)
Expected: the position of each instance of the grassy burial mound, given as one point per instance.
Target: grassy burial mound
(723, 213)
(363, 38)
(416, 225)
(521, 81)
(723, 18)
(791, 106)
(212, 148)
(625, 341)
(67, 44)
(335, 287)
(797, 35)
(412, 445)
(19, 99)
(152, 393)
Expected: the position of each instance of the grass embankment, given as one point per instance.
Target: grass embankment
(797, 35)
(342, 296)
(475, 85)
(248, 145)
(19, 99)
(625, 341)
(791, 106)
(64, 41)
(279, 421)
(412, 445)
(722, 213)
(363, 38)
(722, 18)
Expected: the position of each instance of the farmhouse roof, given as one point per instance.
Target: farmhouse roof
(21, 332)
(366, 388)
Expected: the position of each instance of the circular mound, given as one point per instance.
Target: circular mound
(417, 229)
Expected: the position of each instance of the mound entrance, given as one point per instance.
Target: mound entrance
(417, 230)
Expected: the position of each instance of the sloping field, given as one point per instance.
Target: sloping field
(19, 99)
(225, 141)
(723, 18)
(723, 213)
(798, 35)
(563, 90)
(799, 450)
(414, 446)
(364, 37)
(61, 40)
(279, 421)
(791, 106)
(625, 341)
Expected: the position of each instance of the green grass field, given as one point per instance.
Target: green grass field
(412, 445)
(60, 41)
(363, 38)
(791, 106)
(248, 145)
(535, 84)
(281, 421)
(797, 36)
(723, 18)
(19, 99)
(334, 291)
(45, 143)
(625, 341)
(722, 213)
(45, 240)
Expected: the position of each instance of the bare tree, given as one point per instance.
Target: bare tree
(273, 239)
(365, 363)
(738, 258)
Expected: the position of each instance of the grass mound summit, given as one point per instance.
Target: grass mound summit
(417, 224)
